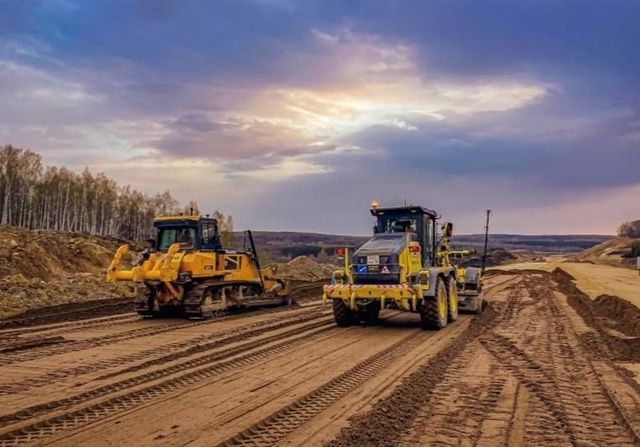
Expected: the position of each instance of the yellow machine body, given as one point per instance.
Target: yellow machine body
(402, 267)
(220, 278)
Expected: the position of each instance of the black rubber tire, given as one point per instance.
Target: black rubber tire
(343, 315)
(372, 313)
(478, 310)
(452, 300)
(430, 317)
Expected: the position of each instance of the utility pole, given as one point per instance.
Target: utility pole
(486, 242)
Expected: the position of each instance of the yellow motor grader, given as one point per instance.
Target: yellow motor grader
(403, 266)
(186, 271)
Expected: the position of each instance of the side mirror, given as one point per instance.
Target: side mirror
(447, 229)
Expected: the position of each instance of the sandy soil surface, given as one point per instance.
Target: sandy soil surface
(596, 280)
(538, 367)
(545, 266)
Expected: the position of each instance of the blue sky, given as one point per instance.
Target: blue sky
(295, 114)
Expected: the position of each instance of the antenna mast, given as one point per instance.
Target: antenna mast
(486, 241)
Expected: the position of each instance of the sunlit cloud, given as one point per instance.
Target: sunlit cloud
(372, 83)
(264, 102)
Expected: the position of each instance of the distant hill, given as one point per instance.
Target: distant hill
(614, 251)
(280, 245)
(544, 243)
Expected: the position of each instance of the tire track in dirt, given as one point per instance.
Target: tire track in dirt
(177, 349)
(117, 404)
(307, 324)
(275, 427)
(70, 313)
(17, 336)
(458, 408)
(519, 375)
(67, 346)
(29, 351)
(465, 407)
(560, 377)
(391, 417)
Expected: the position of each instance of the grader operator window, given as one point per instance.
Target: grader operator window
(169, 236)
(399, 225)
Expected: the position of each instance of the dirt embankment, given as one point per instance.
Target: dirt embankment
(48, 268)
(616, 320)
(618, 251)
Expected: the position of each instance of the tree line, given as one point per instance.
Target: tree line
(630, 229)
(35, 196)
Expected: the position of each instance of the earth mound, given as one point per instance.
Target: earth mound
(41, 268)
(303, 268)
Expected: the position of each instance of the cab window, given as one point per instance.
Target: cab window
(169, 236)
(210, 237)
(232, 262)
(399, 225)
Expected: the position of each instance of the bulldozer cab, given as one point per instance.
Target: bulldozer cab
(192, 232)
(417, 220)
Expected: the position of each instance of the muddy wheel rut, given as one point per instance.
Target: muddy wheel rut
(524, 378)
(157, 327)
(303, 324)
(13, 337)
(14, 340)
(528, 371)
(159, 354)
(123, 402)
(275, 427)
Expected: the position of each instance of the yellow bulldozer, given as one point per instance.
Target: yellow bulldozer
(187, 271)
(405, 266)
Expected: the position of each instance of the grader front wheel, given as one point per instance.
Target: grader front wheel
(371, 314)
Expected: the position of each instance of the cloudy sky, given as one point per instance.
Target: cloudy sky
(296, 114)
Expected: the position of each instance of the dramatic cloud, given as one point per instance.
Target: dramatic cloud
(289, 113)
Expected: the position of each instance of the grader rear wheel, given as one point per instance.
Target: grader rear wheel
(343, 315)
(434, 314)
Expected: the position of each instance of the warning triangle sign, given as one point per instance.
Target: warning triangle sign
(385, 269)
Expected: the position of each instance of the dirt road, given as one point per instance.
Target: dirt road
(531, 370)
